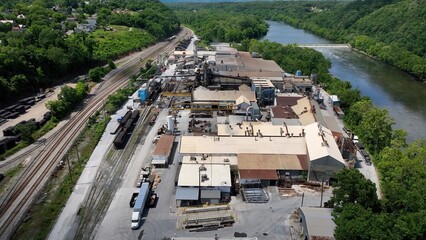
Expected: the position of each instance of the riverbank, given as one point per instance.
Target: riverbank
(389, 54)
(387, 86)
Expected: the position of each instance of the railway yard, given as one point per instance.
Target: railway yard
(225, 140)
(44, 158)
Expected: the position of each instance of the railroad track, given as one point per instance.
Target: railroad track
(107, 182)
(36, 174)
(130, 64)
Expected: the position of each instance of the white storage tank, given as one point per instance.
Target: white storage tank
(170, 124)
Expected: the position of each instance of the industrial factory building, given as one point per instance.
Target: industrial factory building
(293, 109)
(296, 141)
(197, 145)
(205, 98)
(162, 151)
(324, 154)
(294, 83)
(272, 150)
(205, 178)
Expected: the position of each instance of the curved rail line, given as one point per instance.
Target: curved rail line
(36, 174)
(102, 85)
(131, 61)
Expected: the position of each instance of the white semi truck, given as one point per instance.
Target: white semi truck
(140, 205)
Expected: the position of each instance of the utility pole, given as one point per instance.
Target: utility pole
(322, 190)
(69, 168)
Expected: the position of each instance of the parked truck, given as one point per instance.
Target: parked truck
(140, 205)
(133, 199)
(152, 200)
(144, 176)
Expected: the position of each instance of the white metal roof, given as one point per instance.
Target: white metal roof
(262, 82)
(236, 145)
(265, 128)
(218, 175)
(211, 159)
(158, 161)
(317, 148)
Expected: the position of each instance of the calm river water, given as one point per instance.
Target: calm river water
(387, 86)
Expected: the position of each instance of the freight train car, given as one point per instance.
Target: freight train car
(120, 139)
(126, 129)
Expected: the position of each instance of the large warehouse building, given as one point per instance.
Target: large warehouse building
(267, 152)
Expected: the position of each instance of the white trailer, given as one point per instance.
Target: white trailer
(140, 205)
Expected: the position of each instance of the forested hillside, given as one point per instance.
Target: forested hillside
(403, 23)
(42, 41)
(391, 30)
(223, 26)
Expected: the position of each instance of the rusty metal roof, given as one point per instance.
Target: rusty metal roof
(259, 174)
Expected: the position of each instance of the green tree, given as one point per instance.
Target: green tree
(375, 129)
(111, 64)
(69, 95)
(357, 111)
(353, 188)
(26, 130)
(403, 176)
(96, 74)
(57, 107)
(355, 222)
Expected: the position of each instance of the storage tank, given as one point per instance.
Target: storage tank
(143, 92)
(298, 73)
(170, 124)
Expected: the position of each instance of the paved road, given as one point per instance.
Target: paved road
(161, 221)
(369, 172)
(67, 222)
(116, 224)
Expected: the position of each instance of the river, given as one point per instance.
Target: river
(387, 86)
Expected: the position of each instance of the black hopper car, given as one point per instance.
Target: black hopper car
(125, 129)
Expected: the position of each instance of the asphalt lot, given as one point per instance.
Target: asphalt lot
(264, 221)
(369, 172)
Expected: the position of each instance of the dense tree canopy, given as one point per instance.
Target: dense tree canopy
(376, 128)
(37, 51)
(68, 98)
(401, 214)
(391, 30)
(352, 188)
(223, 26)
